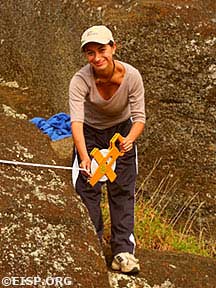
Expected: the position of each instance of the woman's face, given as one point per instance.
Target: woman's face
(100, 56)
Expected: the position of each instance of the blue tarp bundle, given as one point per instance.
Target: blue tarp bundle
(57, 127)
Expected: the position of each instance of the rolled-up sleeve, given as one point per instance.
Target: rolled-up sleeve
(137, 98)
(78, 90)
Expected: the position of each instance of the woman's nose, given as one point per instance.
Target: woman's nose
(97, 56)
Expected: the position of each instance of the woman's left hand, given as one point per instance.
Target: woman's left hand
(126, 145)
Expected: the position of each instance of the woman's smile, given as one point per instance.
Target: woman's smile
(100, 63)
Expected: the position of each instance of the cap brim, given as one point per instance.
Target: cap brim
(105, 41)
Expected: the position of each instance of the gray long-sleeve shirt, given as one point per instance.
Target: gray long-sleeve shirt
(88, 106)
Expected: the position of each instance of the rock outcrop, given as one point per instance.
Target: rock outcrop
(169, 270)
(45, 228)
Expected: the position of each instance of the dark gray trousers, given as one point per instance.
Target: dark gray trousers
(120, 193)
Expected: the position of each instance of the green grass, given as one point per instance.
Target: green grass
(152, 231)
(155, 230)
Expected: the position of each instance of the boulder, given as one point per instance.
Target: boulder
(162, 269)
(45, 229)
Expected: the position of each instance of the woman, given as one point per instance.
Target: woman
(107, 96)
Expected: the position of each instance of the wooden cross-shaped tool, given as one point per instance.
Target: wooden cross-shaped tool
(105, 163)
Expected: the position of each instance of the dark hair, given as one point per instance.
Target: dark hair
(111, 43)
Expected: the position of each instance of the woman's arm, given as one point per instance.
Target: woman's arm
(79, 141)
(137, 108)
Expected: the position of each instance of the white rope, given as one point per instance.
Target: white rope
(41, 165)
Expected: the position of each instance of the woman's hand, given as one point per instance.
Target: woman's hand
(86, 164)
(126, 145)
(79, 141)
(135, 131)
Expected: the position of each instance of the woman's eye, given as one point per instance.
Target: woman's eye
(89, 53)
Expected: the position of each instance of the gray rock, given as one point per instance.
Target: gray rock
(45, 228)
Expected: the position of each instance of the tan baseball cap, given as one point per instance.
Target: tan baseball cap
(99, 34)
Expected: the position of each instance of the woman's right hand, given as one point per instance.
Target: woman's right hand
(79, 141)
(86, 164)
